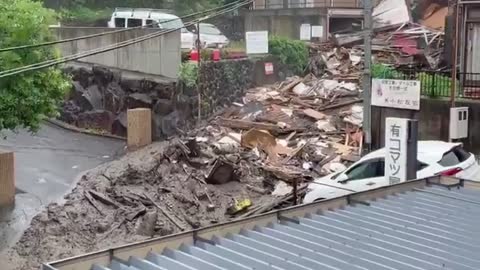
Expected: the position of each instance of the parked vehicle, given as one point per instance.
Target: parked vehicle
(434, 158)
(149, 18)
(210, 37)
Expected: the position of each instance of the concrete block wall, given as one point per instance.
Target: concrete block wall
(157, 56)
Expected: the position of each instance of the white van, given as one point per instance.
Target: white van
(150, 18)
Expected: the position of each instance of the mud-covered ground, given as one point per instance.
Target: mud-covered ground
(130, 188)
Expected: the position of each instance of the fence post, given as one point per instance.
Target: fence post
(7, 179)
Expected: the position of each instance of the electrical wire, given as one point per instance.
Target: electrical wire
(104, 49)
(62, 60)
(49, 43)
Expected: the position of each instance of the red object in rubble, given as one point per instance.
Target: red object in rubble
(216, 55)
(194, 55)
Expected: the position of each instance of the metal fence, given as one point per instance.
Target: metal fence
(278, 4)
(439, 83)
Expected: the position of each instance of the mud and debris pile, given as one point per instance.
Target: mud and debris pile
(255, 156)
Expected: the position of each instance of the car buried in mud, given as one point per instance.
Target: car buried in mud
(434, 158)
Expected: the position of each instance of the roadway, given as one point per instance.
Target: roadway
(48, 165)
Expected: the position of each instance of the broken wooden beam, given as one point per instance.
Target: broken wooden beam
(340, 105)
(103, 198)
(247, 125)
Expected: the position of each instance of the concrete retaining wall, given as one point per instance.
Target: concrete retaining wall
(157, 56)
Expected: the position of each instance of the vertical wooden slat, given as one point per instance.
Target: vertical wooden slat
(139, 128)
(7, 178)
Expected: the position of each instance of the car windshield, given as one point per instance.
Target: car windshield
(370, 169)
(210, 30)
(171, 23)
(454, 157)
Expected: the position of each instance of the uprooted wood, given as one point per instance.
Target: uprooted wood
(92, 202)
(247, 125)
(275, 203)
(103, 198)
(166, 213)
(290, 85)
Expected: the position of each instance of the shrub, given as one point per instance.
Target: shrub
(188, 74)
(292, 53)
(27, 98)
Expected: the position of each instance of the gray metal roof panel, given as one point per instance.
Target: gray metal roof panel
(431, 228)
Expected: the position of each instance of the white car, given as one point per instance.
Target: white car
(210, 37)
(434, 158)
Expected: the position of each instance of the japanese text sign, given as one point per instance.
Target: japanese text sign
(396, 136)
(257, 42)
(400, 94)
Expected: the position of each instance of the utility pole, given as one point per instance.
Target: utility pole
(456, 14)
(367, 75)
(199, 48)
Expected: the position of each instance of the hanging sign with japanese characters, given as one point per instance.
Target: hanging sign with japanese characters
(396, 136)
(401, 94)
(257, 42)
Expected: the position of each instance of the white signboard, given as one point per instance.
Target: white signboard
(396, 135)
(305, 32)
(257, 42)
(317, 31)
(400, 94)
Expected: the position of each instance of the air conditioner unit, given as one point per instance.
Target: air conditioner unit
(458, 123)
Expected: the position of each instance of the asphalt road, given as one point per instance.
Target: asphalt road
(48, 164)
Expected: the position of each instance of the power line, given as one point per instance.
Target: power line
(49, 43)
(107, 48)
(50, 63)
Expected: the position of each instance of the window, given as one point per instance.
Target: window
(120, 22)
(454, 157)
(373, 168)
(368, 169)
(209, 30)
(171, 23)
(151, 24)
(134, 22)
(421, 166)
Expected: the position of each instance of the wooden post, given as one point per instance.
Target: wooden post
(199, 92)
(7, 179)
(295, 191)
(139, 128)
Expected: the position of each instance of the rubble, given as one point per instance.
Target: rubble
(397, 41)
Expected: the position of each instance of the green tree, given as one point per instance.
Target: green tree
(27, 98)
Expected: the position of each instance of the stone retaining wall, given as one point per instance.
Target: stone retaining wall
(100, 97)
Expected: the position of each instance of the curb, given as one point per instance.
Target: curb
(72, 128)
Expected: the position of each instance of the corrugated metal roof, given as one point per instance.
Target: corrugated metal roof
(430, 228)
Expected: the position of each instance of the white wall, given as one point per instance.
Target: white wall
(159, 56)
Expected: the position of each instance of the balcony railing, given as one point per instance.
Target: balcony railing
(284, 4)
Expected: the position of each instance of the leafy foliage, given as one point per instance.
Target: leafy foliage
(380, 71)
(27, 98)
(85, 15)
(188, 74)
(87, 11)
(292, 53)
